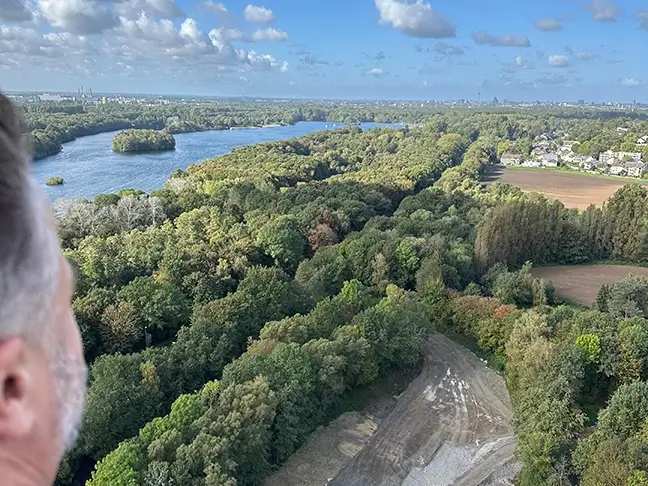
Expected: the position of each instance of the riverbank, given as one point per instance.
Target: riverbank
(89, 166)
(53, 150)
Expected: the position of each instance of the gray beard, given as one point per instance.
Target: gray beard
(70, 376)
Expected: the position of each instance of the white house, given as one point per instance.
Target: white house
(531, 163)
(642, 141)
(590, 164)
(633, 156)
(609, 156)
(550, 160)
(511, 159)
(568, 144)
(635, 169)
(617, 168)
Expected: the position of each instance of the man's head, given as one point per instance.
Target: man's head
(42, 371)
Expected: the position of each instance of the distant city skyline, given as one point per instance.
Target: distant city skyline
(560, 50)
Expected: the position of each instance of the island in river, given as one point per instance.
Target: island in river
(143, 141)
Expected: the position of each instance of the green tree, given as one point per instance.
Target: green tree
(282, 239)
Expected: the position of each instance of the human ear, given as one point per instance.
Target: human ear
(17, 414)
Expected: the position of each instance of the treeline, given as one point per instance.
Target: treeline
(143, 141)
(535, 228)
(52, 124)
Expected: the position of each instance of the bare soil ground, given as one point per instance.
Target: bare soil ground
(575, 190)
(582, 282)
(330, 448)
(451, 427)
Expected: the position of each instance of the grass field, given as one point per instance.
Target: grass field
(581, 283)
(575, 189)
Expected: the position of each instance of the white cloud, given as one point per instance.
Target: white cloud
(269, 35)
(78, 16)
(132, 9)
(587, 56)
(642, 15)
(139, 47)
(415, 19)
(506, 40)
(559, 61)
(521, 63)
(448, 50)
(58, 51)
(258, 15)
(604, 10)
(551, 79)
(266, 62)
(222, 36)
(211, 6)
(377, 72)
(15, 11)
(629, 82)
(548, 25)
(518, 64)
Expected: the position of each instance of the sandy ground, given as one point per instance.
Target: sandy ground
(582, 282)
(330, 448)
(573, 189)
(451, 427)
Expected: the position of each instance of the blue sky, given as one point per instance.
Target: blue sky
(386, 49)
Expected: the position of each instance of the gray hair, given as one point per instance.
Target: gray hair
(29, 248)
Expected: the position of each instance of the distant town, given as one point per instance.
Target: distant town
(551, 152)
(87, 95)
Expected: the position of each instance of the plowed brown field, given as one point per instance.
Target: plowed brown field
(582, 282)
(575, 190)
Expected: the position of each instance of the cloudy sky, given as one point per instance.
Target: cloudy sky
(389, 49)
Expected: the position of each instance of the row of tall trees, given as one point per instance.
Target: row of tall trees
(544, 231)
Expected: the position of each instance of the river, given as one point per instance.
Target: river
(90, 167)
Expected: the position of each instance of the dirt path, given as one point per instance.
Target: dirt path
(451, 427)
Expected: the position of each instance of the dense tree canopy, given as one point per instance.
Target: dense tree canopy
(227, 315)
(143, 141)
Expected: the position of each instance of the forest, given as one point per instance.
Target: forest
(143, 141)
(53, 123)
(227, 315)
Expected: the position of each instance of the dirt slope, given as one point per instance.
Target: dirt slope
(451, 427)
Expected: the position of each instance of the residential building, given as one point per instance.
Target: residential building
(590, 164)
(643, 141)
(609, 156)
(568, 144)
(531, 163)
(55, 97)
(617, 168)
(511, 159)
(630, 156)
(550, 160)
(635, 169)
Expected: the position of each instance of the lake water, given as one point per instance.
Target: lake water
(90, 167)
